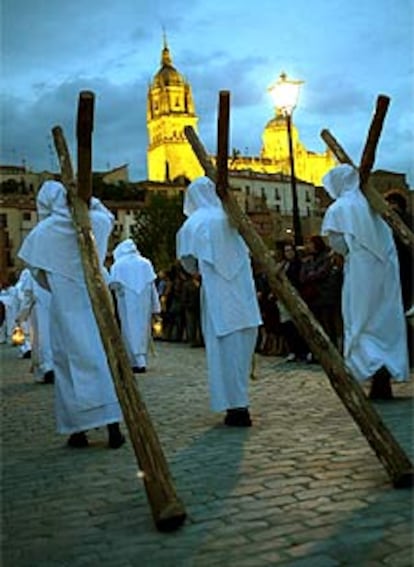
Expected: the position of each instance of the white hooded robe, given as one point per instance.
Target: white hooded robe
(372, 310)
(230, 313)
(132, 278)
(85, 396)
(35, 307)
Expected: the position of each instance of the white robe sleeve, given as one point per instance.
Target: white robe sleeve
(338, 243)
(155, 300)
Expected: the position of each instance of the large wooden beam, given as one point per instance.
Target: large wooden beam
(374, 133)
(167, 510)
(84, 128)
(223, 142)
(391, 455)
(375, 199)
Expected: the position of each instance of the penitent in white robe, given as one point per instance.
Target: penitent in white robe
(27, 324)
(372, 309)
(85, 396)
(35, 307)
(230, 313)
(10, 299)
(132, 278)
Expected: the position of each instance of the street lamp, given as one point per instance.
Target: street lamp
(285, 94)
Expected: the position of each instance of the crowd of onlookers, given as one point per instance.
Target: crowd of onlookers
(314, 270)
(179, 294)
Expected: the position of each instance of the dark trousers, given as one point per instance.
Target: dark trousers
(295, 342)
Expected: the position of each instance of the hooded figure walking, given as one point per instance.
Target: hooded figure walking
(230, 315)
(132, 279)
(85, 396)
(375, 346)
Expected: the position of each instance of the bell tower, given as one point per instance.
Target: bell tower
(170, 107)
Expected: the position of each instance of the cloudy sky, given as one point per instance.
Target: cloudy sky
(347, 52)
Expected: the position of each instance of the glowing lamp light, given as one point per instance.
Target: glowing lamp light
(285, 93)
(17, 336)
(157, 328)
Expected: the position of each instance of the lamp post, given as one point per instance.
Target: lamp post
(285, 94)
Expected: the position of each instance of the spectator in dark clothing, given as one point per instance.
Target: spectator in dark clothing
(321, 285)
(191, 303)
(269, 337)
(173, 320)
(405, 258)
(291, 264)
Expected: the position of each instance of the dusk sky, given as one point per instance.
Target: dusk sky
(347, 52)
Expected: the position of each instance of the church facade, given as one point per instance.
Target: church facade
(170, 107)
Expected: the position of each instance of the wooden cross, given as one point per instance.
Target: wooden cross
(375, 199)
(167, 510)
(388, 451)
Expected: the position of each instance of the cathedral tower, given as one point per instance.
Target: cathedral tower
(170, 107)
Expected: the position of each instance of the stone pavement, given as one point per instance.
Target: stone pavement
(300, 488)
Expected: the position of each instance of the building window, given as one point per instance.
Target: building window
(247, 188)
(278, 208)
(277, 194)
(27, 216)
(3, 220)
(307, 197)
(263, 192)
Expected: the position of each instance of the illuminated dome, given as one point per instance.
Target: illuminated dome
(168, 74)
(275, 138)
(278, 122)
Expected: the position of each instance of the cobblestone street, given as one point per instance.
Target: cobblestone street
(301, 487)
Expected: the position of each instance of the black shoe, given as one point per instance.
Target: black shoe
(49, 377)
(116, 439)
(238, 417)
(27, 354)
(78, 440)
(381, 385)
(139, 369)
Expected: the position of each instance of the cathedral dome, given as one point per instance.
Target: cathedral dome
(278, 123)
(275, 137)
(167, 75)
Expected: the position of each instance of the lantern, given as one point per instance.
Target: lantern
(17, 337)
(157, 328)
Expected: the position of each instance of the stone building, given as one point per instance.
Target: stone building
(170, 107)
